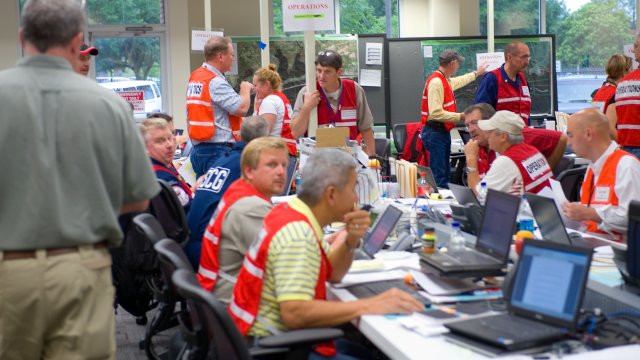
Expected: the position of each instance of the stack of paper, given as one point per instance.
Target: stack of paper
(407, 174)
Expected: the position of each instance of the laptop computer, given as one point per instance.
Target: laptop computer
(291, 170)
(464, 135)
(628, 260)
(552, 227)
(464, 195)
(430, 179)
(545, 302)
(492, 246)
(374, 240)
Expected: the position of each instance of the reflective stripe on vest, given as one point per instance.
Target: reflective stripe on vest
(628, 109)
(348, 104)
(512, 99)
(603, 96)
(449, 101)
(209, 269)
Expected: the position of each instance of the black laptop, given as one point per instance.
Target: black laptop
(464, 195)
(544, 305)
(492, 246)
(551, 225)
(430, 179)
(375, 239)
(291, 169)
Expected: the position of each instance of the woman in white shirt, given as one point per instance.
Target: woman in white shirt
(273, 106)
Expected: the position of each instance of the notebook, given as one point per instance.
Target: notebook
(375, 239)
(492, 246)
(464, 195)
(430, 179)
(544, 305)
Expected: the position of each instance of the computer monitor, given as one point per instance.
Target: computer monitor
(632, 273)
(381, 230)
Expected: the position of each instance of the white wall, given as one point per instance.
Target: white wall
(10, 50)
(179, 67)
(420, 18)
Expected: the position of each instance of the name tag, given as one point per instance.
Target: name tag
(598, 105)
(525, 91)
(536, 165)
(348, 114)
(602, 193)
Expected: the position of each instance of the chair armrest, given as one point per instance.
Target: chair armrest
(265, 352)
(304, 336)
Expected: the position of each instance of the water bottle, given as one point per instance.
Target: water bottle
(456, 240)
(525, 215)
(423, 186)
(482, 193)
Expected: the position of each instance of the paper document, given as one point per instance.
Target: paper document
(560, 198)
(374, 54)
(494, 60)
(370, 77)
(361, 278)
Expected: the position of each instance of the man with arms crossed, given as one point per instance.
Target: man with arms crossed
(237, 220)
(214, 109)
(505, 88)
(339, 102)
(282, 281)
(61, 194)
(218, 178)
(611, 181)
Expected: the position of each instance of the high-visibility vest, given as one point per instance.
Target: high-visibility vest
(517, 101)
(286, 133)
(533, 166)
(449, 101)
(603, 96)
(628, 109)
(248, 290)
(200, 118)
(590, 195)
(209, 268)
(347, 113)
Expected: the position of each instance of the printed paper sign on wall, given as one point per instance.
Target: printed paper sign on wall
(303, 15)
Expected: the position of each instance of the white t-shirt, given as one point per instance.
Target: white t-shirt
(503, 175)
(273, 104)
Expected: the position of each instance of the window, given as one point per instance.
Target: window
(512, 17)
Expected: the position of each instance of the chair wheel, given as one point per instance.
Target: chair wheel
(141, 320)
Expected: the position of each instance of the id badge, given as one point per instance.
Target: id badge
(525, 91)
(602, 194)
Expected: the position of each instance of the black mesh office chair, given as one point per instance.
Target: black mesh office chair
(399, 137)
(571, 181)
(566, 162)
(219, 338)
(383, 151)
(167, 209)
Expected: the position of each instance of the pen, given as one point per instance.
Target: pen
(414, 204)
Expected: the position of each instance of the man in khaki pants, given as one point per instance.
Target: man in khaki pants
(72, 161)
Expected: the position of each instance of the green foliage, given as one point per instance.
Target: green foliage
(114, 12)
(140, 56)
(593, 33)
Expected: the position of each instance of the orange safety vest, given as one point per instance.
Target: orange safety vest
(347, 113)
(449, 102)
(533, 166)
(247, 293)
(591, 195)
(286, 133)
(517, 101)
(603, 96)
(200, 118)
(209, 269)
(628, 109)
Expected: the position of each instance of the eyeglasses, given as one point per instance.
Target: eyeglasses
(328, 53)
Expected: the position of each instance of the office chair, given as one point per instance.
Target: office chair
(167, 209)
(399, 138)
(160, 283)
(571, 181)
(383, 151)
(218, 337)
(566, 162)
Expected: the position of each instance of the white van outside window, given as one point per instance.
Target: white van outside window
(152, 99)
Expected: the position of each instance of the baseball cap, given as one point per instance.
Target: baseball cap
(505, 121)
(86, 49)
(449, 55)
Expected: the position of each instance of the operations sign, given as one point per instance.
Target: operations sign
(303, 15)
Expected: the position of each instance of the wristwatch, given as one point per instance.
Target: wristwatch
(470, 169)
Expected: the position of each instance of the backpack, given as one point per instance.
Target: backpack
(135, 264)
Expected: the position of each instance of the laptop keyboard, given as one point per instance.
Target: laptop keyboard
(466, 257)
(517, 326)
(366, 290)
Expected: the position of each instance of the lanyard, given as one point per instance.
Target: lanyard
(333, 117)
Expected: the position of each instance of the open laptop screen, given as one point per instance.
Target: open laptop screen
(550, 281)
(548, 218)
(291, 169)
(463, 194)
(381, 230)
(498, 221)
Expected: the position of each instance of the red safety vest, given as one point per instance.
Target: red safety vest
(347, 114)
(603, 96)
(286, 134)
(210, 255)
(485, 159)
(200, 117)
(449, 102)
(517, 101)
(589, 194)
(628, 109)
(248, 290)
(183, 185)
(533, 166)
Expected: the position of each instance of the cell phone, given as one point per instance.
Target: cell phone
(366, 207)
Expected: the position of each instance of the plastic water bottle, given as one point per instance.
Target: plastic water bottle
(525, 215)
(456, 240)
(423, 186)
(298, 180)
(482, 193)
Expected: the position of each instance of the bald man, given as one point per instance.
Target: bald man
(611, 180)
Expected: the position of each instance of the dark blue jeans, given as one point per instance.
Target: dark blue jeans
(438, 142)
(635, 150)
(204, 155)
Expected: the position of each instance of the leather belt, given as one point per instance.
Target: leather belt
(435, 125)
(31, 254)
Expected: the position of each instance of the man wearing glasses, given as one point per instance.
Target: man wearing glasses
(339, 102)
(505, 88)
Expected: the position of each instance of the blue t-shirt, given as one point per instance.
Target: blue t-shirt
(223, 173)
